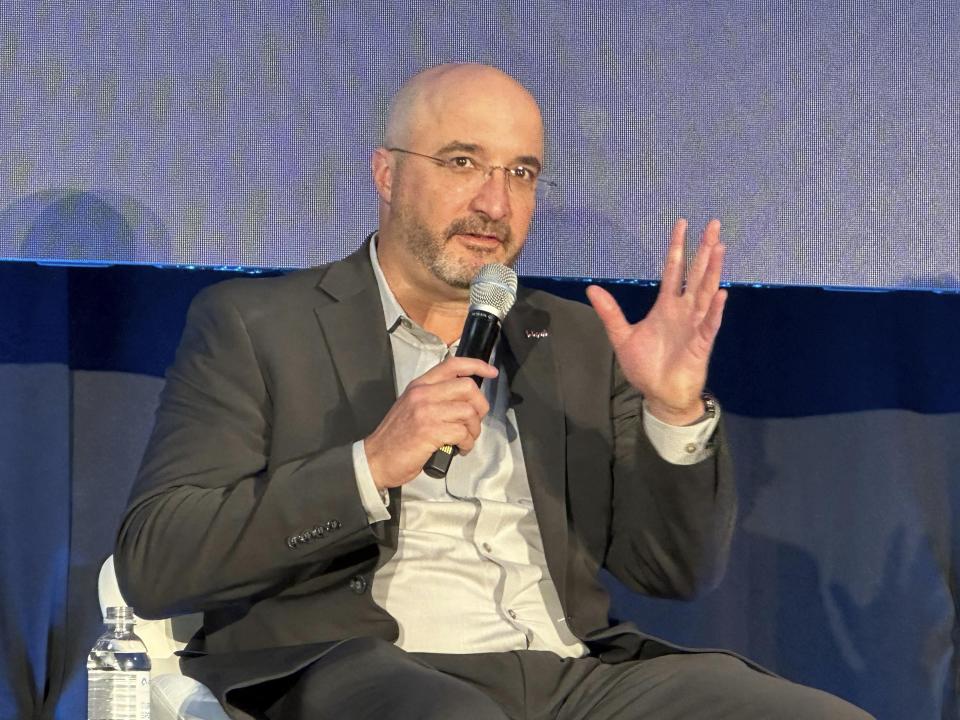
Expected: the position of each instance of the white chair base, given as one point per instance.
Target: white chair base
(173, 696)
(178, 697)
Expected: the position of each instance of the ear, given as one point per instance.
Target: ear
(381, 167)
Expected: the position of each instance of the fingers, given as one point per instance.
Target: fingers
(443, 406)
(609, 313)
(711, 322)
(703, 276)
(456, 367)
(671, 282)
(459, 425)
(703, 282)
(701, 261)
(435, 400)
(708, 285)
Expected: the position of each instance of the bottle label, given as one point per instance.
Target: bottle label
(118, 695)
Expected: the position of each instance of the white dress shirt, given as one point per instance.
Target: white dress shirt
(469, 573)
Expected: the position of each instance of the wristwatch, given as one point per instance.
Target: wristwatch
(709, 405)
(709, 408)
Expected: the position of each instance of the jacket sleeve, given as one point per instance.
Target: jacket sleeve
(210, 520)
(671, 525)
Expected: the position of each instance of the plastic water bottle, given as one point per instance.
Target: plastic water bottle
(118, 671)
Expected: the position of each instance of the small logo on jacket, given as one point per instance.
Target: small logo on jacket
(537, 334)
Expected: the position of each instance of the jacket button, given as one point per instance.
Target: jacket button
(358, 584)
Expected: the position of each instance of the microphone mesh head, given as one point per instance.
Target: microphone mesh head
(494, 289)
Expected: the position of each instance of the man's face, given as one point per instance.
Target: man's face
(452, 221)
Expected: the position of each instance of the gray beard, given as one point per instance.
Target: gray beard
(427, 248)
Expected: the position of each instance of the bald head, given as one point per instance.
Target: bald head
(430, 94)
(455, 136)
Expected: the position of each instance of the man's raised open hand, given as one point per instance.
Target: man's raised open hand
(665, 355)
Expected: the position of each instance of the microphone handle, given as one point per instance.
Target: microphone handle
(477, 340)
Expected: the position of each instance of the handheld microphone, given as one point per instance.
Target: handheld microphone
(492, 293)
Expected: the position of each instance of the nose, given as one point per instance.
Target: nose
(492, 198)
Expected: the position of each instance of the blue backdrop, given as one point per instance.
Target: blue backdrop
(844, 418)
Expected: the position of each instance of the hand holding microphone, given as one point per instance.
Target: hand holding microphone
(492, 293)
(444, 407)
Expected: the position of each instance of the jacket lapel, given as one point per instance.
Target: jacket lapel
(353, 325)
(351, 318)
(535, 396)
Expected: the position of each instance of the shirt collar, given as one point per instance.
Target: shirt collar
(393, 314)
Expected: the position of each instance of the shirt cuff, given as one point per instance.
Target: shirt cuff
(375, 501)
(681, 444)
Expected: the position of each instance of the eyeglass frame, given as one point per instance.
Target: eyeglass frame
(509, 172)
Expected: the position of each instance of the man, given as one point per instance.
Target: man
(282, 491)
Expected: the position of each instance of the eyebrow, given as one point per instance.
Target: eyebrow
(458, 146)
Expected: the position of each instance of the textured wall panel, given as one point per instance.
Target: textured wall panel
(826, 135)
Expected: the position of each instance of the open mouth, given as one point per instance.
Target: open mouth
(480, 239)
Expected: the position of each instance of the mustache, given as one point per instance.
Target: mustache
(480, 226)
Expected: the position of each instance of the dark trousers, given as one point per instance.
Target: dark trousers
(368, 678)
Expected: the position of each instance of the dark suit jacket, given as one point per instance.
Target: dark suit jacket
(246, 505)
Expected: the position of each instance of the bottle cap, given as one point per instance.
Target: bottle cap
(122, 614)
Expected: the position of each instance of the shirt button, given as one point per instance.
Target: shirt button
(690, 448)
(487, 548)
(512, 614)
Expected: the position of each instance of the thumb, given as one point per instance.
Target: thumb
(609, 312)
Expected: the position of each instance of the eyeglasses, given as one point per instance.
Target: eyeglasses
(468, 172)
